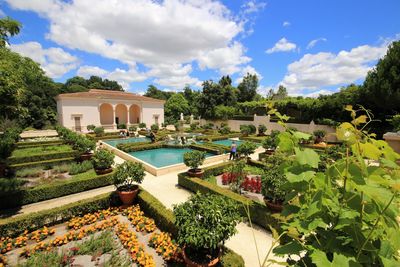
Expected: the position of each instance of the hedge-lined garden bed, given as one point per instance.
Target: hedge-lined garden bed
(218, 137)
(132, 147)
(27, 144)
(211, 148)
(41, 157)
(162, 216)
(259, 213)
(127, 146)
(43, 163)
(48, 191)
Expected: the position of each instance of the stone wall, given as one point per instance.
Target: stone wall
(265, 120)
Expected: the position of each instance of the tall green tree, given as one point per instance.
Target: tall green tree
(248, 88)
(154, 92)
(381, 89)
(8, 28)
(281, 93)
(176, 105)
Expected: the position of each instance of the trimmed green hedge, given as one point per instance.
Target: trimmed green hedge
(163, 217)
(45, 192)
(130, 147)
(41, 163)
(209, 149)
(42, 157)
(104, 137)
(14, 226)
(256, 139)
(218, 137)
(39, 143)
(259, 213)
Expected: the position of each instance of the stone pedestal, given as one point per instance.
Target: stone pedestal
(393, 139)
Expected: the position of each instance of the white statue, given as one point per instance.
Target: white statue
(181, 116)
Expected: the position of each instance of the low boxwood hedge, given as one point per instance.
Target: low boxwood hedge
(42, 157)
(39, 143)
(41, 163)
(255, 139)
(45, 192)
(218, 137)
(14, 226)
(204, 147)
(130, 147)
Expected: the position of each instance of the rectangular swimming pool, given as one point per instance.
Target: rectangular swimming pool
(162, 157)
(115, 142)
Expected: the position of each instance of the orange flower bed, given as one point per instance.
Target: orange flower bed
(89, 218)
(130, 242)
(3, 260)
(137, 218)
(41, 234)
(166, 247)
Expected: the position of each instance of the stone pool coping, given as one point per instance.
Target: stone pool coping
(161, 170)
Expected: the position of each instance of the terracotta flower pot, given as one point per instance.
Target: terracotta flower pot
(191, 263)
(195, 173)
(86, 156)
(273, 206)
(103, 171)
(127, 197)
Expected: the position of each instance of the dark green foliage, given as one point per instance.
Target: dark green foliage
(39, 143)
(396, 122)
(8, 28)
(231, 259)
(273, 180)
(248, 129)
(262, 129)
(80, 84)
(319, 133)
(142, 125)
(121, 126)
(176, 105)
(25, 196)
(271, 141)
(132, 147)
(91, 127)
(154, 127)
(225, 129)
(154, 92)
(224, 112)
(248, 88)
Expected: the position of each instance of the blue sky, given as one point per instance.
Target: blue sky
(311, 47)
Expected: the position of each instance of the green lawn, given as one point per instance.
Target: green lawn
(32, 151)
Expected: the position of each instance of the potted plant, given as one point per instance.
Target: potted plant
(142, 126)
(193, 159)
(102, 161)
(132, 129)
(127, 176)
(204, 223)
(270, 142)
(91, 127)
(154, 127)
(246, 148)
(319, 136)
(85, 147)
(272, 181)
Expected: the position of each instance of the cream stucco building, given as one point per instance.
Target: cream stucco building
(107, 108)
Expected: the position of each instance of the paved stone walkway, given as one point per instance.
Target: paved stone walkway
(166, 189)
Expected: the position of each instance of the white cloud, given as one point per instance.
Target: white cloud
(148, 32)
(324, 69)
(87, 71)
(286, 24)
(318, 93)
(2, 14)
(227, 59)
(253, 6)
(173, 75)
(283, 45)
(312, 43)
(245, 70)
(54, 61)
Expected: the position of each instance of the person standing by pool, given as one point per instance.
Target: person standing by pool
(232, 156)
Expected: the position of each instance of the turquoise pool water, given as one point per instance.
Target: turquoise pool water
(227, 142)
(162, 157)
(115, 142)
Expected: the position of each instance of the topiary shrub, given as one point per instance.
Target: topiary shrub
(91, 127)
(121, 126)
(99, 131)
(246, 148)
(247, 129)
(142, 125)
(154, 127)
(193, 159)
(132, 128)
(262, 129)
(127, 175)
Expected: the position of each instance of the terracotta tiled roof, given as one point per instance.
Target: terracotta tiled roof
(108, 94)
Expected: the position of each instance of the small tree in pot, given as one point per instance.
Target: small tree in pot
(91, 127)
(205, 222)
(126, 179)
(99, 131)
(193, 159)
(270, 142)
(262, 129)
(246, 148)
(102, 161)
(85, 147)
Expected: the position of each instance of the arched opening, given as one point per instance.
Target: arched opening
(106, 114)
(134, 114)
(121, 114)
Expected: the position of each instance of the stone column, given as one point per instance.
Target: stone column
(114, 125)
(128, 120)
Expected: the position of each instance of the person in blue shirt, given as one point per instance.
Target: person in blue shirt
(232, 155)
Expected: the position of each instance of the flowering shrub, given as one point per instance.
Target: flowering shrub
(165, 246)
(252, 184)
